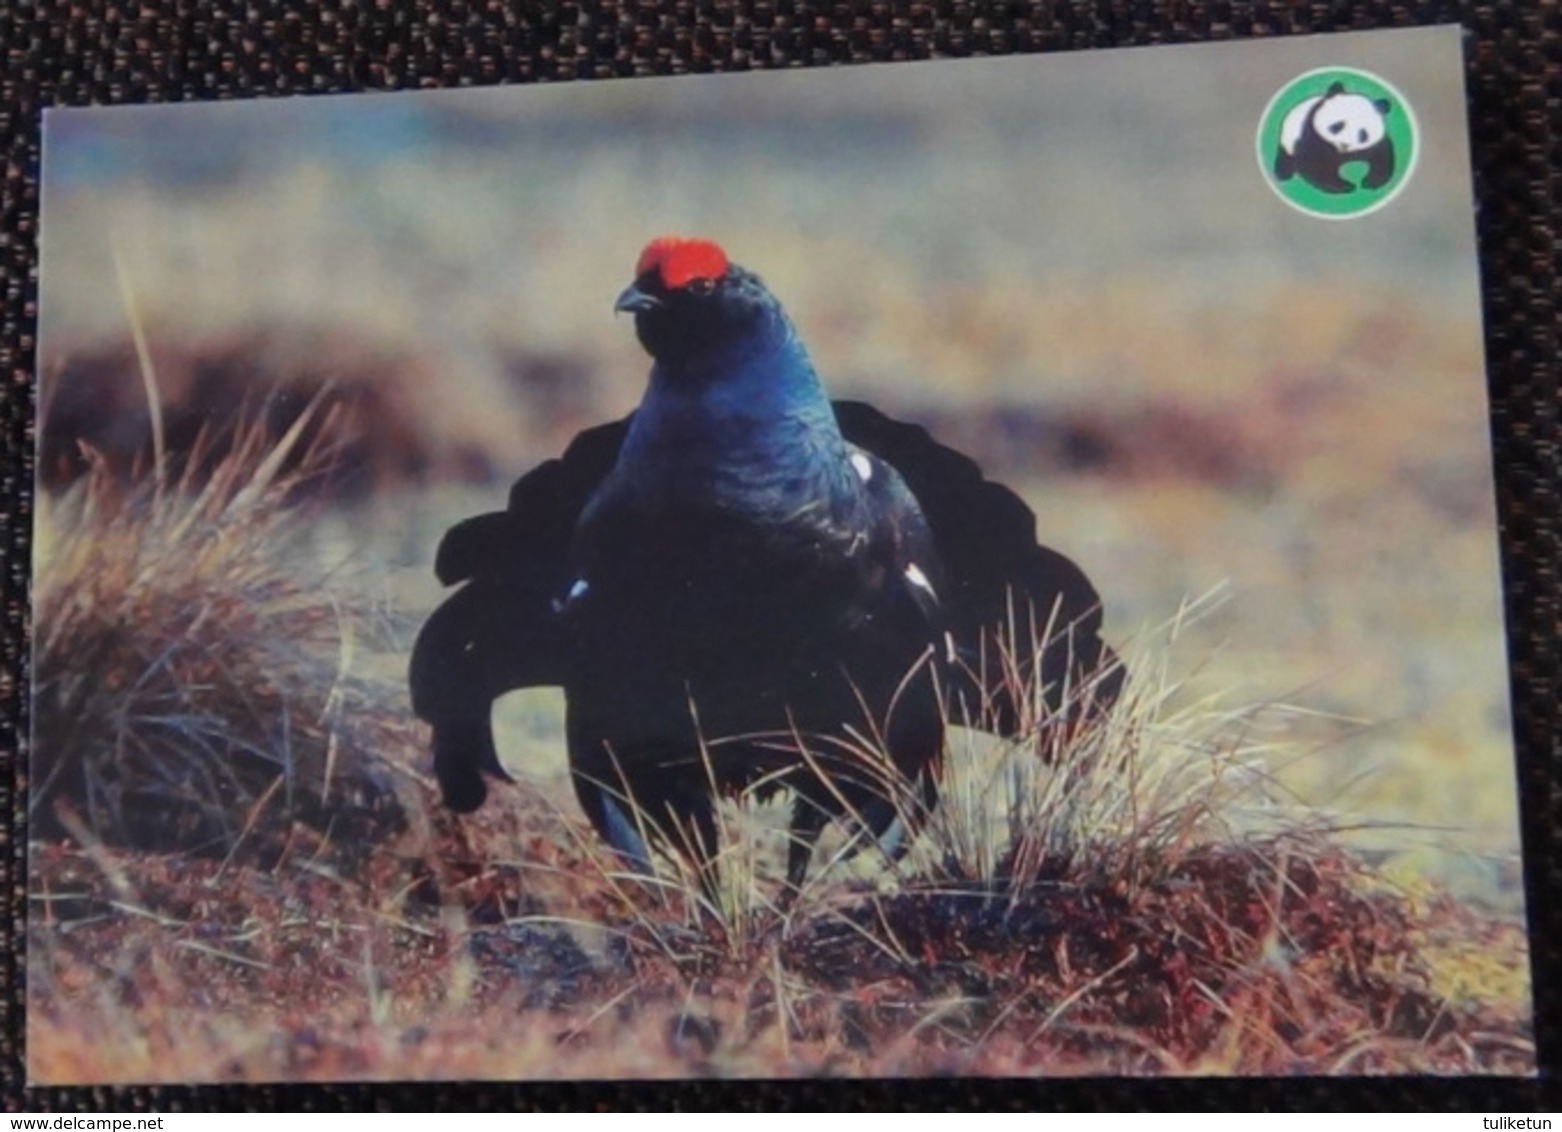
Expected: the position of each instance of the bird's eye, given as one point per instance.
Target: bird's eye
(702, 286)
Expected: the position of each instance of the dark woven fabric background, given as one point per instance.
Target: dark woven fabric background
(59, 53)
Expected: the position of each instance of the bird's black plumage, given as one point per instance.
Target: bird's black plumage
(742, 583)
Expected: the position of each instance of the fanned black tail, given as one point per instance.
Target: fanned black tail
(1022, 617)
(1025, 620)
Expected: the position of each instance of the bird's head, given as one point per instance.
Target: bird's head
(692, 304)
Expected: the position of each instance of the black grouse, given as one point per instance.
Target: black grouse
(744, 584)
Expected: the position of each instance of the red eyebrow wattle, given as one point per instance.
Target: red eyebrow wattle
(680, 261)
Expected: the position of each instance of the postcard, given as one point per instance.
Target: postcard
(978, 567)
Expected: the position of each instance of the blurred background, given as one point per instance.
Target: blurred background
(1070, 267)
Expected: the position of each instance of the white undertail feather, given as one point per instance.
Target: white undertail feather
(917, 578)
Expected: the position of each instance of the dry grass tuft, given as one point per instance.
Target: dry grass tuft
(193, 679)
(1121, 801)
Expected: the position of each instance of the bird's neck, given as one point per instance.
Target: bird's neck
(753, 405)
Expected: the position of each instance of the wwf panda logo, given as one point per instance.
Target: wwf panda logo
(1337, 142)
(1320, 136)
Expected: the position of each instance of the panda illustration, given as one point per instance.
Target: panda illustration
(1321, 134)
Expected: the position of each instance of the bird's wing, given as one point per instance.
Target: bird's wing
(1024, 619)
(902, 542)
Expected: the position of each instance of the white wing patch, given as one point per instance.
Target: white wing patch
(917, 578)
(576, 592)
(863, 465)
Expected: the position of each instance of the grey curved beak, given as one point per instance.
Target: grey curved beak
(634, 300)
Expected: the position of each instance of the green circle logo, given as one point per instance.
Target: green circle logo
(1337, 143)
